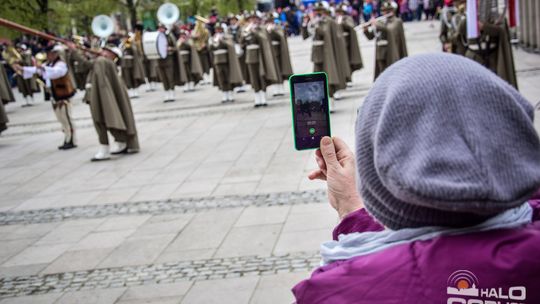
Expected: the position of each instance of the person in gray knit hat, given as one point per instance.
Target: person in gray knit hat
(450, 180)
(441, 156)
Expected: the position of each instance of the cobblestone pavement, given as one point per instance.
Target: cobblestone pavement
(169, 206)
(194, 270)
(216, 207)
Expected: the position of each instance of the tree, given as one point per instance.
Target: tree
(31, 13)
(60, 16)
(80, 12)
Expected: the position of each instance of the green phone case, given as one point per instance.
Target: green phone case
(292, 106)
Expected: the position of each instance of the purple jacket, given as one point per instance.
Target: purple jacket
(492, 267)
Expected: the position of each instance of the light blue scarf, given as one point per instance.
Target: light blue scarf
(358, 244)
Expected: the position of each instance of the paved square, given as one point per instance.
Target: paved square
(216, 207)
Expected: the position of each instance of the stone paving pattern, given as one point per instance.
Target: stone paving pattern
(161, 206)
(216, 208)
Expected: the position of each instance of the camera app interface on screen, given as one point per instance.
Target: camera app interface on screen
(311, 113)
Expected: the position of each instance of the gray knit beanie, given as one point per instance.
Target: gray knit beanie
(443, 141)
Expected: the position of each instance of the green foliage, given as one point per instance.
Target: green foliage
(32, 13)
(78, 13)
(60, 16)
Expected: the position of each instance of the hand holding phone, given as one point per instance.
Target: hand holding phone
(311, 117)
(337, 167)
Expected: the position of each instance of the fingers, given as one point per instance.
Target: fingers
(340, 145)
(328, 152)
(317, 174)
(320, 161)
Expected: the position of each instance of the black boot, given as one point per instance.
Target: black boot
(68, 145)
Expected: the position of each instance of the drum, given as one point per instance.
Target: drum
(154, 45)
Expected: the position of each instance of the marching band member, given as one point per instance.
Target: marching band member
(27, 85)
(200, 36)
(346, 27)
(227, 74)
(328, 52)
(492, 47)
(55, 73)
(280, 49)
(234, 29)
(390, 45)
(109, 103)
(168, 67)
(6, 93)
(131, 64)
(6, 96)
(260, 61)
(457, 44)
(191, 71)
(150, 65)
(3, 118)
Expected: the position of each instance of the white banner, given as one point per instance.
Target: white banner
(516, 11)
(472, 19)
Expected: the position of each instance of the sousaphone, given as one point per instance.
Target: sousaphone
(103, 27)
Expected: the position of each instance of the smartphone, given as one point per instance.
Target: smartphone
(310, 113)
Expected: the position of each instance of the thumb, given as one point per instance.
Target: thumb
(328, 152)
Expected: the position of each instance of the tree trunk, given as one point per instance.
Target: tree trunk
(132, 12)
(43, 17)
(240, 4)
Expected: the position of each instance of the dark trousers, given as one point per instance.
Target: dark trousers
(222, 75)
(257, 81)
(101, 129)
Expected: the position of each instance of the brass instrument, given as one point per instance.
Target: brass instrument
(200, 33)
(11, 55)
(78, 39)
(380, 18)
(41, 57)
(202, 19)
(127, 42)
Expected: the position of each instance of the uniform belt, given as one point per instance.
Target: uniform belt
(252, 47)
(275, 42)
(345, 34)
(318, 42)
(184, 52)
(219, 52)
(382, 43)
(484, 45)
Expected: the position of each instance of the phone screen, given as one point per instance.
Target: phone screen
(311, 118)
